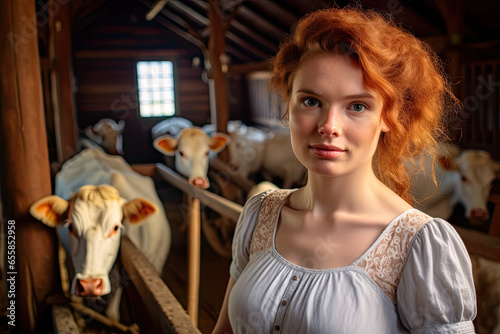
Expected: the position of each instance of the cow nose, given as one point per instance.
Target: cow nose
(234, 165)
(200, 182)
(479, 214)
(89, 287)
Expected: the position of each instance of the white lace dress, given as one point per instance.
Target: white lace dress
(415, 278)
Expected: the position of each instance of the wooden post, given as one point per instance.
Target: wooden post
(25, 168)
(193, 259)
(216, 46)
(62, 80)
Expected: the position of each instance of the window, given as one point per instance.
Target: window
(265, 106)
(156, 88)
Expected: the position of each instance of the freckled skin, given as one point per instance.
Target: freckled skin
(343, 113)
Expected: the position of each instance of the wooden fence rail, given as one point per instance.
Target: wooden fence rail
(217, 203)
(161, 303)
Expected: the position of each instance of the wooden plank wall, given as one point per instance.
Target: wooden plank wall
(480, 117)
(105, 53)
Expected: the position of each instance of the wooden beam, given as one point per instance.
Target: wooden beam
(181, 33)
(125, 54)
(479, 243)
(63, 81)
(217, 203)
(245, 45)
(200, 19)
(249, 67)
(161, 303)
(264, 25)
(216, 47)
(237, 179)
(25, 171)
(252, 34)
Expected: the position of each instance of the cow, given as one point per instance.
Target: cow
(191, 150)
(171, 126)
(107, 134)
(280, 160)
(463, 177)
(93, 192)
(245, 154)
(269, 153)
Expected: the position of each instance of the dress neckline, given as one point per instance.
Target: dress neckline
(359, 259)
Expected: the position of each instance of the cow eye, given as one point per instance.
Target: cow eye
(71, 227)
(181, 154)
(206, 153)
(464, 179)
(114, 230)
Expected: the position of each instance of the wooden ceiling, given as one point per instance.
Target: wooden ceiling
(256, 27)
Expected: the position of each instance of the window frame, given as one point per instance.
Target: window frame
(175, 88)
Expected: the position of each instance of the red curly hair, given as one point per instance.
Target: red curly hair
(402, 69)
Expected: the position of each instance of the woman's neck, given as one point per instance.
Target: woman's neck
(326, 196)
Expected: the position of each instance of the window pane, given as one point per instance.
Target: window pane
(156, 88)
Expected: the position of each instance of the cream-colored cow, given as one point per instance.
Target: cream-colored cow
(94, 217)
(191, 150)
(463, 177)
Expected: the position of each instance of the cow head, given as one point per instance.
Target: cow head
(474, 171)
(94, 219)
(191, 151)
(108, 134)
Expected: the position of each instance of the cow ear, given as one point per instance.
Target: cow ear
(136, 210)
(166, 144)
(121, 126)
(50, 210)
(447, 163)
(218, 141)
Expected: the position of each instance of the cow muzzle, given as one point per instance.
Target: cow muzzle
(199, 182)
(89, 287)
(478, 214)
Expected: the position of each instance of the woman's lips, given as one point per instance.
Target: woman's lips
(327, 152)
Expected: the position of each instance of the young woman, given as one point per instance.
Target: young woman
(347, 253)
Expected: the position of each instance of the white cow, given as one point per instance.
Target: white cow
(92, 232)
(246, 154)
(107, 134)
(279, 160)
(270, 153)
(171, 126)
(464, 177)
(191, 150)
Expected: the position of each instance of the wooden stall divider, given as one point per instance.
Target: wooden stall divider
(193, 259)
(161, 303)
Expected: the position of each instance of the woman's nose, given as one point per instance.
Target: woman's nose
(329, 124)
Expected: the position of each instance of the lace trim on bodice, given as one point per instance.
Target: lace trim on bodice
(263, 235)
(383, 262)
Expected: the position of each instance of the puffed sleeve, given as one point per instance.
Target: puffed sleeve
(436, 291)
(243, 235)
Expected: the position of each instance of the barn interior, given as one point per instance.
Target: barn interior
(67, 64)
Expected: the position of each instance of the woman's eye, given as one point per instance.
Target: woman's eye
(310, 102)
(357, 107)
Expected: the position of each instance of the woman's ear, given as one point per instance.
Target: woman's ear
(383, 126)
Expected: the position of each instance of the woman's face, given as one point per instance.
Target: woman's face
(335, 119)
